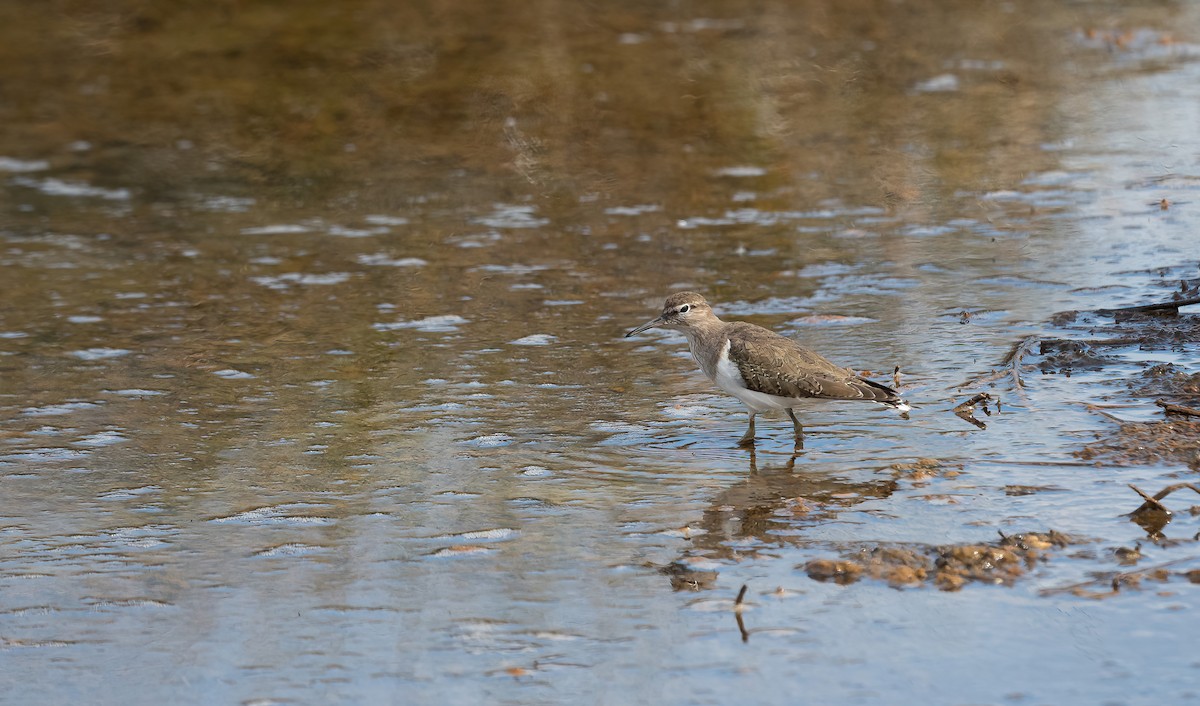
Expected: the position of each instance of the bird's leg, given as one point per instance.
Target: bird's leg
(799, 428)
(748, 438)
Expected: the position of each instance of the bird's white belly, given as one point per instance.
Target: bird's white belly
(730, 380)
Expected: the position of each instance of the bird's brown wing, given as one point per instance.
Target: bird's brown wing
(777, 365)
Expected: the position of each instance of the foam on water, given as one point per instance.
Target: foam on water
(444, 323)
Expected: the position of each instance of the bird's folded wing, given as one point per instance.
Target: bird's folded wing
(779, 366)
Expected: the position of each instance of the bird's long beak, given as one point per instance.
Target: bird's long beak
(646, 326)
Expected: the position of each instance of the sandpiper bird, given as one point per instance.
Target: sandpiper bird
(761, 368)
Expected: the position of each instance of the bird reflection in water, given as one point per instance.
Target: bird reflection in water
(767, 509)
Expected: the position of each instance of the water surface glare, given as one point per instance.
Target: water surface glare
(314, 385)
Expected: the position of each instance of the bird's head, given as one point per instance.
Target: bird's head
(680, 311)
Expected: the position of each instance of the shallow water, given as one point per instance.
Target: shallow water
(313, 384)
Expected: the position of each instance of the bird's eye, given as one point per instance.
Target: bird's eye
(684, 309)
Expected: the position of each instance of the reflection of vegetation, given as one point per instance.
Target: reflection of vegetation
(598, 98)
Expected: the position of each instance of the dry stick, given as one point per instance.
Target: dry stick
(1151, 307)
(1169, 408)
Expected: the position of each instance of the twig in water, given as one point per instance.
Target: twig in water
(1152, 515)
(1011, 366)
(1169, 408)
(1150, 502)
(1031, 462)
(1117, 580)
(1163, 306)
(984, 379)
(1093, 408)
(966, 410)
(738, 607)
(1014, 362)
(1153, 502)
(1138, 573)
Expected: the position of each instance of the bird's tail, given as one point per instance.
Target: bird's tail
(885, 395)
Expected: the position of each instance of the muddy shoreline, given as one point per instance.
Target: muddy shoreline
(1072, 341)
